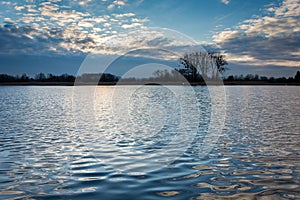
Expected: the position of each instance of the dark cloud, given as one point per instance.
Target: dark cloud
(15, 39)
(276, 48)
(27, 40)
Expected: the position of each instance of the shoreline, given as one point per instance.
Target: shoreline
(232, 83)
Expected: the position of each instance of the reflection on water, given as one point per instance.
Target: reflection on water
(43, 154)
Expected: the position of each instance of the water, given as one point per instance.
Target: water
(50, 147)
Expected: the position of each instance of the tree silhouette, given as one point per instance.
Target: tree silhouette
(40, 77)
(24, 78)
(198, 65)
(297, 76)
(220, 61)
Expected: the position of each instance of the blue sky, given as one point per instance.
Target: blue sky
(257, 36)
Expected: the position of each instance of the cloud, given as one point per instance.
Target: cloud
(8, 20)
(85, 24)
(84, 2)
(133, 25)
(111, 6)
(19, 8)
(137, 20)
(116, 3)
(273, 39)
(6, 2)
(106, 24)
(29, 40)
(119, 3)
(18, 40)
(149, 38)
(225, 1)
(63, 28)
(124, 15)
(50, 28)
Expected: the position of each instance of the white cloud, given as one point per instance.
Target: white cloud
(133, 25)
(225, 1)
(116, 3)
(111, 6)
(7, 19)
(289, 8)
(106, 24)
(283, 20)
(272, 39)
(84, 2)
(19, 8)
(98, 19)
(6, 3)
(124, 15)
(31, 8)
(119, 3)
(134, 20)
(225, 35)
(85, 24)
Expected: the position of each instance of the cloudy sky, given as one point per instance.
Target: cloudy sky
(257, 36)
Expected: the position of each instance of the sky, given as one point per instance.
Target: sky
(257, 36)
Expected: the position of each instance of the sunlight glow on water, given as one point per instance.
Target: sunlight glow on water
(45, 154)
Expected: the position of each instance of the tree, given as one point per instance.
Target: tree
(40, 77)
(297, 76)
(6, 78)
(198, 65)
(24, 78)
(230, 78)
(220, 62)
(51, 78)
(263, 78)
(190, 70)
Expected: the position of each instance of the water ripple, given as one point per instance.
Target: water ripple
(44, 155)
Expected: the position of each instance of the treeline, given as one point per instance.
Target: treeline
(41, 77)
(262, 79)
(100, 78)
(165, 76)
(50, 78)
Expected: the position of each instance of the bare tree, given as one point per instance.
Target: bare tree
(205, 64)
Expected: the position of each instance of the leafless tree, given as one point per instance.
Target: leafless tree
(205, 64)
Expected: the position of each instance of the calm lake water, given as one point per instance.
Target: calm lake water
(57, 144)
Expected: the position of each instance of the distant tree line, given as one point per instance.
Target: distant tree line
(41, 77)
(257, 78)
(100, 77)
(174, 76)
(50, 78)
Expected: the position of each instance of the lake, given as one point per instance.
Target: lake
(150, 142)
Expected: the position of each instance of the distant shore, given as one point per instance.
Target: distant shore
(163, 78)
(257, 83)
